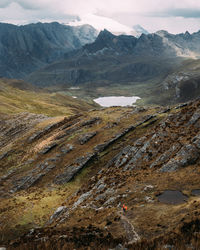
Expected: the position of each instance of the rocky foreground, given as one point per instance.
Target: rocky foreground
(63, 180)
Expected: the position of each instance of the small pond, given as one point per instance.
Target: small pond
(196, 192)
(172, 197)
(116, 101)
(74, 88)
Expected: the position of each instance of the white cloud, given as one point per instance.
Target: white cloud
(175, 16)
(100, 23)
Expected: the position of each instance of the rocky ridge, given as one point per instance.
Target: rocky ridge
(121, 59)
(132, 162)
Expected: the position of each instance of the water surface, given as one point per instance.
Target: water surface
(172, 197)
(123, 101)
(196, 192)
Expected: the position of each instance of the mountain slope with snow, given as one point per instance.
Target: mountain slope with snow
(115, 27)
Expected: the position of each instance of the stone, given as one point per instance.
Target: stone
(66, 149)
(82, 198)
(57, 213)
(120, 158)
(101, 147)
(187, 155)
(140, 141)
(2, 156)
(101, 187)
(110, 201)
(33, 176)
(171, 166)
(72, 170)
(195, 117)
(196, 141)
(40, 133)
(27, 181)
(148, 188)
(66, 133)
(138, 154)
(169, 247)
(100, 197)
(166, 155)
(91, 121)
(181, 105)
(48, 148)
(86, 137)
(119, 247)
(148, 199)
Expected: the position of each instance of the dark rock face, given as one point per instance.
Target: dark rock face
(71, 171)
(48, 148)
(66, 149)
(27, 48)
(91, 121)
(156, 151)
(59, 211)
(85, 138)
(188, 155)
(120, 59)
(33, 176)
(110, 59)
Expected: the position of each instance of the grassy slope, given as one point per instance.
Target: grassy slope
(35, 206)
(16, 97)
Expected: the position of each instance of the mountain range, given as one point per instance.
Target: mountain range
(60, 56)
(123, 59)
(24, 49)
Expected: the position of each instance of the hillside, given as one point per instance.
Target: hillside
(24, 49)
(17, 96)
(184, 82)
(63, 181)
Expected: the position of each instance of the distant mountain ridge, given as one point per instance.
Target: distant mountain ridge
(54, 54)
(138, 30)
(120, 59)
(24, 49)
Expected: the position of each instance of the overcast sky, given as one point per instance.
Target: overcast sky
(174, 16)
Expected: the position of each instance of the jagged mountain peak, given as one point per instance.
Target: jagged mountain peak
(138, 30)
(162, 33)
(26, 48)
(105, 34)
(187, 33)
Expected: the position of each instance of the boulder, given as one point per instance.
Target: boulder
(67, 148)
(196, 141)
(195, 117)
(91, 121)
(82, 198)
(57, 213)
(86, 137)
(48, 148)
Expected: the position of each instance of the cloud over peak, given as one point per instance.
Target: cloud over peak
(152, 14)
